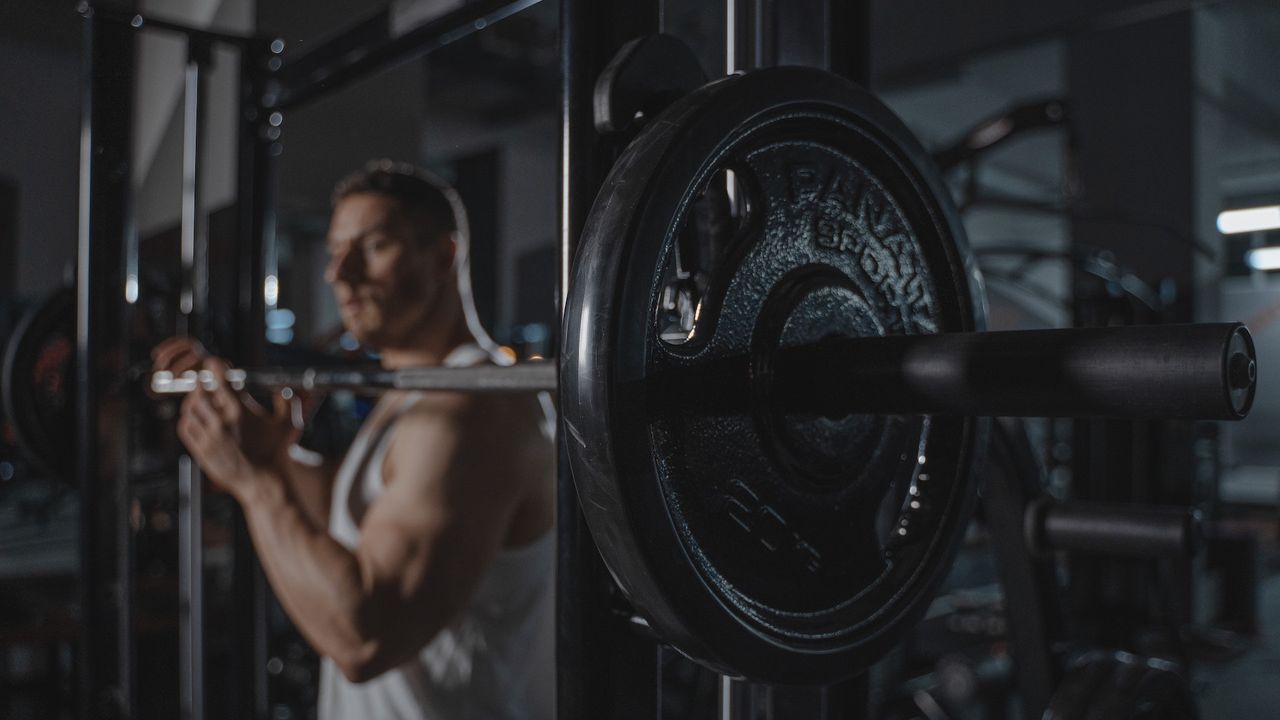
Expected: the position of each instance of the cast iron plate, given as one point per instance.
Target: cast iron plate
(765, 543)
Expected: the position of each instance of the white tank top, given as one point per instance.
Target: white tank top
(496, 661)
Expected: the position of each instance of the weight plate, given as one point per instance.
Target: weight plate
(763, 211)
(37, 384)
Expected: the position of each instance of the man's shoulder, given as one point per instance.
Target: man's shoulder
(475, 415)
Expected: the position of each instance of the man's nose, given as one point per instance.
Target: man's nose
(344, 266)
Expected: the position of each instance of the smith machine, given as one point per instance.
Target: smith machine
(772, 372)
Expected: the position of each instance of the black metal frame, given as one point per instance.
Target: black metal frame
(608, 665)
(108, 269)
(605, 668)
(370, 46)
(106, 672)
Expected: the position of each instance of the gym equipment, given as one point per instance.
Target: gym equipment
(770, 376)
(525, 377)
(1112, 529)
(758, 235)
(646, 75)
(36, 383)
(1116, 372)
(1121, 686)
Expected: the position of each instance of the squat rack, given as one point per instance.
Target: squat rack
(608, 666)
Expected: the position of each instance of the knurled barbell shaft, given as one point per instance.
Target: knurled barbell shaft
(1205, 371)
(523, 377)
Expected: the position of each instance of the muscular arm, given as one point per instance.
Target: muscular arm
(310, 482)
(454, 476)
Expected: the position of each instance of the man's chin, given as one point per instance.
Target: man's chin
(362, 335)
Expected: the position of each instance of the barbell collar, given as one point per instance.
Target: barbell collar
(1204, 371)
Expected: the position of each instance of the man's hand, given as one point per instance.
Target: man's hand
(229, 434)
(178, 355)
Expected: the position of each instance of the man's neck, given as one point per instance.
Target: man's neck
(433, 347)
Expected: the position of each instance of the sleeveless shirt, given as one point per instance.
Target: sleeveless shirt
(496, 661)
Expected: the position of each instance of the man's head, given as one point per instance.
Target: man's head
(392, 250)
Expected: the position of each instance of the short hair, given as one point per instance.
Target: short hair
(419, 192)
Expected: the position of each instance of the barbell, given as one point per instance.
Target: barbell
(525, 377)
(773, 376)
(1103, 372)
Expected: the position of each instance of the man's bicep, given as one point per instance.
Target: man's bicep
(430, 536)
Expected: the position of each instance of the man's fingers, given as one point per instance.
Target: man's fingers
(287, 405)
(190, 433)
(181, 363)
(169, 346)
(175, 351)
(198, 407)
(253, 405)
(229, 403)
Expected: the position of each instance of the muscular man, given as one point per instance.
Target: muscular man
(421, 570)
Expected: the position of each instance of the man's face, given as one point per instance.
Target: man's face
(384, 277)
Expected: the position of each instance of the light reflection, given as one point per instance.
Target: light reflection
(271, 290)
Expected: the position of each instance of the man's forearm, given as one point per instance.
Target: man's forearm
(317, 580)
(310, 483)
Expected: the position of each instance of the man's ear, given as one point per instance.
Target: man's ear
(449, 255)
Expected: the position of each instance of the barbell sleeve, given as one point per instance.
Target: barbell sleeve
(1205, 371)
(1112, 529)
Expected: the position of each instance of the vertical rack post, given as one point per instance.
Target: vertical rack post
(259, 135)
(193, 311)
(605, 667)
(107, 669)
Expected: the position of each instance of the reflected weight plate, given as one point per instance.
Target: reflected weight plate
(37, 382)
(766, 210)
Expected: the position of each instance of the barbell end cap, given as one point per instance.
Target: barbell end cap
(1240, 372)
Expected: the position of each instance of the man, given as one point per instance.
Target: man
(421, 569)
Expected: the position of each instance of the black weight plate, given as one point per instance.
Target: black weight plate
(765, 543)
(37, 379)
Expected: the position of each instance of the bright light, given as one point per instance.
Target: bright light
(280, 319)
(1263, 258)
(131, 289)
(271, 290)
(1231, 222)
(280, 336)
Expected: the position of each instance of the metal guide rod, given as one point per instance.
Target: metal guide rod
(193, 308)
(191, 582)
